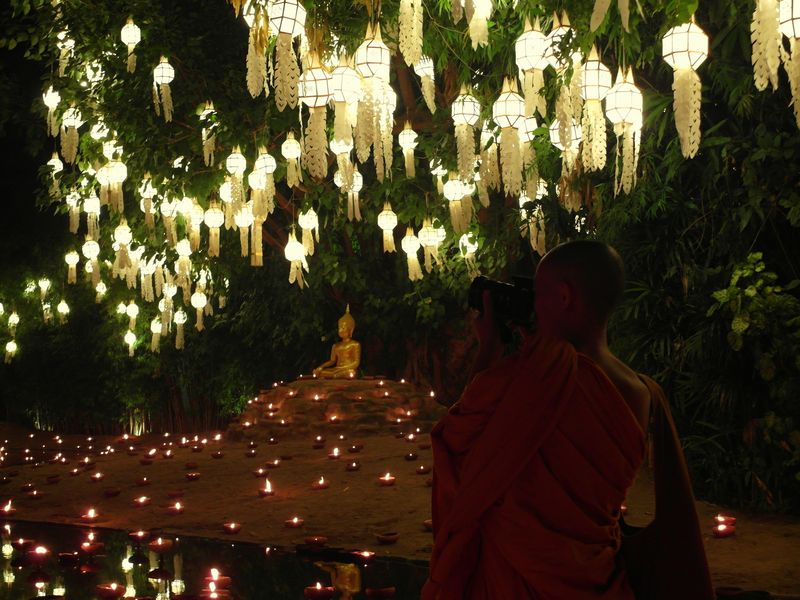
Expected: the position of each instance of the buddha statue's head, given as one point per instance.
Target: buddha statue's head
(347, 325)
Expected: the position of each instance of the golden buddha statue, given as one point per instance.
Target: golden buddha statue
(345, 355)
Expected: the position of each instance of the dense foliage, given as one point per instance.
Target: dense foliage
(710, 244)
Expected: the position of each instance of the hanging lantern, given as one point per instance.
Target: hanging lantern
(262, 184)
(147, 193)
(71, 120)
(387, 221)
(346, 92)
(489, 163)
(122, 239)
(147, 269)
(790, 27)
(214, 218)
(169, 210)
(309, 223)
(63, 311)
(408, 141)
(131, 35)
(155, 329)
(226, 196)
(288, 19)
(180, 318)
(468, 246)
(183, 267)
(91, 206)
(595, 84)
(196, 218)
(530, 49)
(91, 250)
(410, 25)
(508, 113)
(244, 219)
(11, 350)
(315, 91)
(456, 193)
(72, 200)
(429, 240)
(624, 110)
(236, 164)
(117, 173)
(72, 259)
(427, 78)
(569, 152)
(208, 134)
(199, 302)
(100, 291)
(526, 138)
(684, 48)
(478, 22)
(132, 311)
(130, 340)
(765, 35)
(290, 150)
(65, 45)
(559, 31)
(343, 177)
(56, 167)
(372, 57)
(258, 41)
(465, 112)
(295, 253)
(51, 98)
(411, 246)
(353, 201)
(163, 75)
(13, 322)
(438, 171)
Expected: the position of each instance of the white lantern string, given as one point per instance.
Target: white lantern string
(765, 36)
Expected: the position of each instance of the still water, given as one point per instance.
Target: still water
(82, 563)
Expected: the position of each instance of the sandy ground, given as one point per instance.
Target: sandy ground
(763, 555)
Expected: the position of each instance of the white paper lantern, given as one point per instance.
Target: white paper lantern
(427, 76)
(199, 301)
(411, 246)
(295, 253)
(408, 142)
(131, 35)
(287, 16)
(508, 113)
(624, 110)
(387, 221)
(163, 75)
(372, 57)
(51, 99)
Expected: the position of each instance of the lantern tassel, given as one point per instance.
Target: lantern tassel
(598, 13)
(213, 241)
(199, 325)
(256, 250)
(409, 160)
(179, 338)
(244, 237)
(353, 206)
(533, 83)
(293, 177)
(765, 36)
(74, 219)
(342, 130)
(69, 144)
(388, 241)
(687, 91)
(791, 62)
(316, 143)
(364, 124)
(511, 161)
(156, 100)
(308, 241)
(166, 101)
(155, 342)
(456, 216)
(429, 92)
(209, 142)
(414, 269)
(410, 25)
(296, 272)
(287, 73)
(131, 58)
(465, 148)
(593, 126)
(256, 64)
(72, 274)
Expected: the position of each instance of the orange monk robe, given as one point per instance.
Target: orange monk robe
(530, 469)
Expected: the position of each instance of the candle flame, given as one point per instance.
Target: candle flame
(722, 527)
(336, 452)
(321, 480)
(178, 506)
(387, 477)
(40, 550)
(7, 507)
(294, 520)
(91, 514)
(214, 573)
(319, 585)
(142, 498)
(212, 586)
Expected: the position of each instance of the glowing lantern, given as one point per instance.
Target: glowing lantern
(243, 218)
(122, 237)
(765, 36)
(427, 77)
(290, 150)
(315, 91)
(465, 112)
(199, 303)
(343, 177)
(236, 164)
(685, 47)
(214, 218)
(790, 27)
(569, 152)
(262, 184)
(387, 221)
(11, 350)
(429, 240)
(468, 246)
(179, 318)
(288, 19)
(508, 112)
(131, 35)
(353, 202)
(132, 311)
(91, 250)
(595, 85)
(372, 56)
(71, 200)
(100, 291)
(309, 223)
(147, 192)
(530, 49)
(295, 253)
(169, 210)
(63, 310)
(91, 206)
(411, 246)
(51, 98)
(56, 167)
(410, 25)
(624, 110)
(71, 120)
(72, 259)
(408, 141)
(346, 92)
(455, 192)
(13, 321)
(130, 340)
(163, 75)
(560, 30)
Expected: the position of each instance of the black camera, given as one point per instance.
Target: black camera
(512, 302)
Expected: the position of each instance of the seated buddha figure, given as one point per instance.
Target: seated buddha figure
(345, 355)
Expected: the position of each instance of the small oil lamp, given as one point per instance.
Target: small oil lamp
(320, 484)
(725, 520)
(387, 480)
(423, 470)
(232, 527)
(160, 545)
(267, 490)
(319, 592)
(294, 523)
(175, 509)
(90, 516)
(110, 590)
(334, 454)
(319, 442)
(352, 465)
(141, 501)
(722, 531)
(8, 509)
(193, 475)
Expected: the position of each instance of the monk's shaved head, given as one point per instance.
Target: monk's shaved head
(594, 269)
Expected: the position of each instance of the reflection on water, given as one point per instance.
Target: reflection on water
(46, 560)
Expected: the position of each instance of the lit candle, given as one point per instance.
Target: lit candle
(333, 419)
(723, 531)
(319, 442)
(320, 484)
(250, 453)
(354, 449)
(334, 454)
(353, 465)
(273, 464)
(411, 456)
(176, 508)
(319, 592)
(266, 491)
(138, 536)
(294, 522)
(75, 472)
(110, 590)
(364, 555)
(35, 494)
(232, 527)
(193, 475)
(197, 448)
(386, 480)
(143, 481)
(725, 520)
(217, 454)
(91, 515)
(8, 509)
(423, 470)
(160, 545)
(141, 501)
(272, 441)
(217, 581)
(98, 476)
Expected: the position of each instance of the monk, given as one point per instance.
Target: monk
(532, 463)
